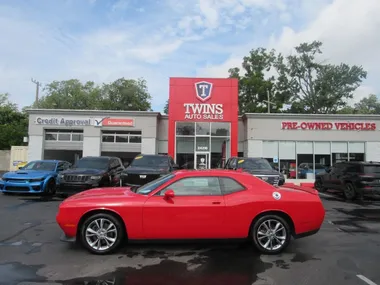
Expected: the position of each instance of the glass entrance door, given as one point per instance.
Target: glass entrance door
(202, 160)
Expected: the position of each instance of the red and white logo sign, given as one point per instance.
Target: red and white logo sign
(115, 122)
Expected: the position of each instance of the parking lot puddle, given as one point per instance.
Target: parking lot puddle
(224, 266)
(14, 273)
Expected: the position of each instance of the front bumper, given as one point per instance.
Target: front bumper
(22, 187)
(73, 188)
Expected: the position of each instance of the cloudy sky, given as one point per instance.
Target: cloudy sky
(102, 40)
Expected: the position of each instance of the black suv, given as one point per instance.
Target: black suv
(259, 167)
(355, 179)
(90, 172)
(145, 168)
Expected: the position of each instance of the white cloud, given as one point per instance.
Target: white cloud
(348, 29)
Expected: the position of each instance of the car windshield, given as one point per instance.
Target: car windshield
(92, 163)
(149, 187)
(150, 161)
(40, 165)
(260, 163)
(372, 169)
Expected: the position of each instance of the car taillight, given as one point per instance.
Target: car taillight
(365, 175)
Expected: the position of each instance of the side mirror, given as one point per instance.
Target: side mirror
(169, 194)
(175, 166)
(21, 167)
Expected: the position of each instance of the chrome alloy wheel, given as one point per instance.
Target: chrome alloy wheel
(271, 235)
(101, 234)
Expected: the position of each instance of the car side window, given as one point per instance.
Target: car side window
(230, 185)
(67, 165)
(61, 166)
(195, 186)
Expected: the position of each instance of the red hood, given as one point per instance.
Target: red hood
(104, 192)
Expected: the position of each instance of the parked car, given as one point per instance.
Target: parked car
(191, 204)
(90, 172)
(355, 179)
(145, 168)
(305, 168)
(259, 167)
(38, 176)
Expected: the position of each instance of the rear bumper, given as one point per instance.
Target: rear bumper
(372, 191)
(306, 234)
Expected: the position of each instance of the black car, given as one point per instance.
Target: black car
(259, 167)
(146, 168)
(90, 172)
(355, 179)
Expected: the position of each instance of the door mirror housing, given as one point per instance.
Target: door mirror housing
(175, 166)
(169, 194)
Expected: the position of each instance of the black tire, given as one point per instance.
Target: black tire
(349, 191)
(119, 233)
(258, 226)
(50, 188)
(318, 185)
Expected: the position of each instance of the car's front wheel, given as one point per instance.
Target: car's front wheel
(102, 233)
(271, 234)
(50, 188)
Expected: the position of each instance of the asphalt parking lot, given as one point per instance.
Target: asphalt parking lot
(345, 251)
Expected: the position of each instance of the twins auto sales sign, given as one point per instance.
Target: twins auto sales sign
(327, 126)
(203, 100)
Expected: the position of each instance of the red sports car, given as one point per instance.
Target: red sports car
(188, 204)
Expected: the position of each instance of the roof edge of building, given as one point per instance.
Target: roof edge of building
(309, 116)
(92, 112)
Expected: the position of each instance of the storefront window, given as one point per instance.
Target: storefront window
(202, 144)
(356, 151)
(339, 152)
(270, 153)
(185, 152)
(220, 129)
(202, 129)
(305, 160)
(185, 129)
(218, 152)
(287, 158)
(322, 153)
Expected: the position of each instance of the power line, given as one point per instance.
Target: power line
(38, 84)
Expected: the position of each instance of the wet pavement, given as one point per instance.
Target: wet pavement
(345, 251)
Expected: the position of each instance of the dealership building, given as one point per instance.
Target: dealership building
(203, 124)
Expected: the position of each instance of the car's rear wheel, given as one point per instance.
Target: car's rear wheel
(102, 233)
(349, 191)
(318, 185)
(271, 234)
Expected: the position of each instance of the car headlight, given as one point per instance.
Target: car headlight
(124, 174)
(95, 177)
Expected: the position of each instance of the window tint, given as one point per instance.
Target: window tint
(230, 185)
(195, 186)
(61, 166)
(371, 168)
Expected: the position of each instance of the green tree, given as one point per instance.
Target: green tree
(317, 87)
(122, 94)
(70, 94)
(166, 107)
(255, 83)
(368, 105)
(13, 124)
(126, 94)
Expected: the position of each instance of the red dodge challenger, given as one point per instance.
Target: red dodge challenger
(191, 205)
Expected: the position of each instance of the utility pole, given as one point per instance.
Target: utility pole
(38, 84)
(268, 101)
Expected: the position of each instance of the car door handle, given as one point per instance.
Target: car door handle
(216, 203)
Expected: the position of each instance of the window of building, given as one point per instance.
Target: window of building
(304, 152)
(287, 158)
(339, 152)
(64, 135)
(121, 136)
(185, 129)
(356, 151)
(270, 153)
(220, 129)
